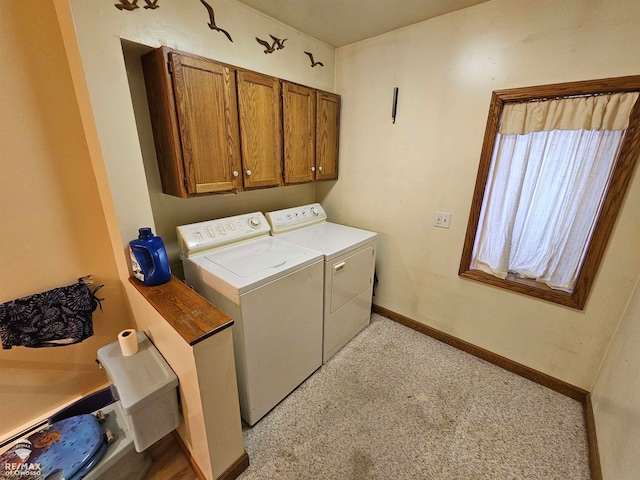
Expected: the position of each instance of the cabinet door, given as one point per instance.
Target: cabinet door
(260, 129)
(327, 135)
(164, 122)
(299, 132)
(208, 123)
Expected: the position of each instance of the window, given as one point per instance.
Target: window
(548, 191)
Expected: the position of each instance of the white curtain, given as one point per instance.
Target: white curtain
(542, 198)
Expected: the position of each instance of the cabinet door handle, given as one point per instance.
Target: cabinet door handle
(320, 168)
(248, 173)
(235, 173)
(313, 169)
(339, 266)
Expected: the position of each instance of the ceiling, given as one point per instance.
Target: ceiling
(341, 22)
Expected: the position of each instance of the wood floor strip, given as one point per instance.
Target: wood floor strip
(188, 457)
(168, 462)
(230, 473)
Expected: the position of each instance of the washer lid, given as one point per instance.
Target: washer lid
(256, 258)
(331, 239)
(248, 265)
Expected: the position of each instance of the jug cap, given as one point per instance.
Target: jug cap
(144, 233)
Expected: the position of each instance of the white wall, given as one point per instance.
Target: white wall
(616, 400)
(393, 178)
(119, 105)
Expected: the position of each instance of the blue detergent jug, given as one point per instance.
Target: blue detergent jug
(149, 258)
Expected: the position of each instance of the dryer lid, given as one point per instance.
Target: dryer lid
(331, 239)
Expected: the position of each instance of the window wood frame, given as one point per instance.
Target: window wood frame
(612, 202)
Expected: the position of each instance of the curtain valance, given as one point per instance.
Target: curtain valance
(602, 112)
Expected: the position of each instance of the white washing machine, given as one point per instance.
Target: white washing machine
(272, 290)
(349, 264)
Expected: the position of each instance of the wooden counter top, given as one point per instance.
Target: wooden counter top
(192, 316)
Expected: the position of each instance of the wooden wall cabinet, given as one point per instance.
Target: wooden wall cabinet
(260, 129)
(327, 135)
(311, 126)
(221, 129)
(194, 116)
(299, 133)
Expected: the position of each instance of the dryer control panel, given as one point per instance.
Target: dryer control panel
(282, 221)
(211, 234)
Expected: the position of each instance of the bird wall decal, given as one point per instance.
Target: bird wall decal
(268, 48)
(151, 4)
(127, 5)
(313, 63)
(212, 21)
(278, 44)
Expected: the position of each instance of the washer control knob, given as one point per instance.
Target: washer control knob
(254, 222)
(315, 211)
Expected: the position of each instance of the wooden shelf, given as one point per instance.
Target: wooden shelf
(193, 317)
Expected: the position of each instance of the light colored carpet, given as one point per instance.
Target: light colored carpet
(395, 404)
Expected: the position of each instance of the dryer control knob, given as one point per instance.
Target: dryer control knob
(315, 211)
(254, 222)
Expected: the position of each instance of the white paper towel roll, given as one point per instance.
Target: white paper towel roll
(128, 342)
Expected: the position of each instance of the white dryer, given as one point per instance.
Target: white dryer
(272, 289)
(349, 258)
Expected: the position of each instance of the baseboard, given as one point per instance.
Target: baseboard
(503, 362)
(592, 440)
(236, 469)
(543, 379)
(230, 473)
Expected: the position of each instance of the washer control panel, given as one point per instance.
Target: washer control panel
(297, 217)
(211, 234)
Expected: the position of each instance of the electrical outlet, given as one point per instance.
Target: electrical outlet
(442, 220)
